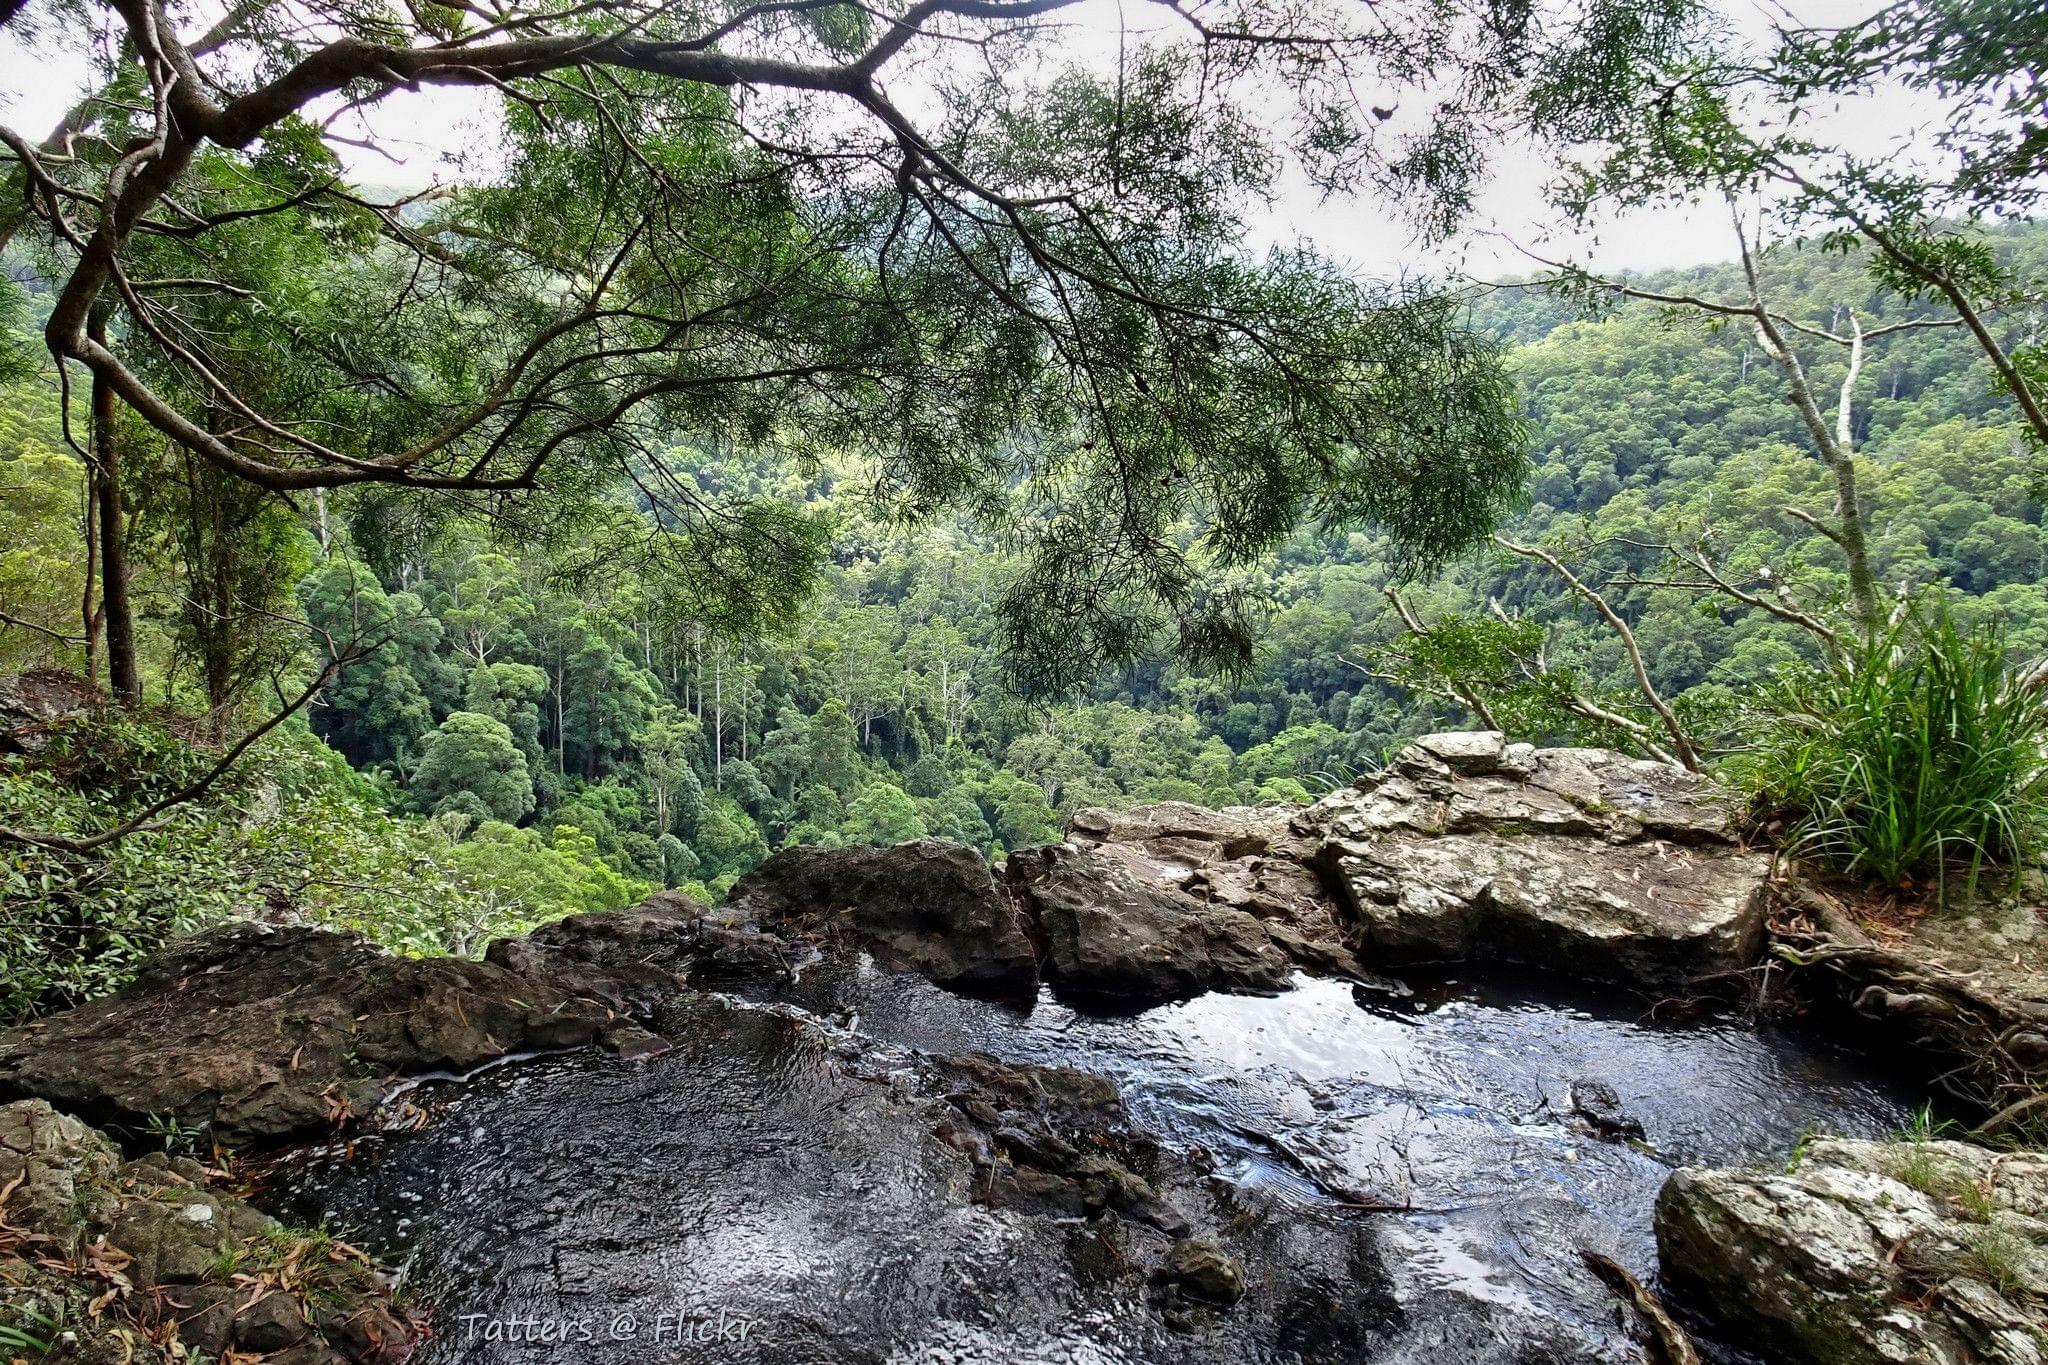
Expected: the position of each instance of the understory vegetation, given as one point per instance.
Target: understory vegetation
(1922, 755)
(291, 833)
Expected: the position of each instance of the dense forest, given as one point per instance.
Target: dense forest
(553, 724)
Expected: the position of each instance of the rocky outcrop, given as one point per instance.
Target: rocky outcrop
(1578, 860)
(159, 1255)
(636, 957)
(1967, 988)
(1246, 858)
(1869, 1253)
(1111, 932)
(929, 905)
(256, 1034)
(1581, 861)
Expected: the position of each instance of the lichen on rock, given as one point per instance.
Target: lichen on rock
(1582, 861)
(152, 1260)
(1869, 1253)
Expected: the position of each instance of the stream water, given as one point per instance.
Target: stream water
(744, 1185)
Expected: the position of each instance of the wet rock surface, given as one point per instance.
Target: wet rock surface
(1581, 861)
(135, 1257)
(864, 1166)
(1923, 1251)
(256, 1034)
(828, 1198)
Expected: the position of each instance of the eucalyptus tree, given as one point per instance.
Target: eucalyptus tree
(1786, 123)
(1014, 284)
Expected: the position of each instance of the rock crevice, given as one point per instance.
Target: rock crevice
(131, 1257)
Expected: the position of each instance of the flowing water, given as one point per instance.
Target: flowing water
(744, 1198)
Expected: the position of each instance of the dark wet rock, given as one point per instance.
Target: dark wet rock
(939, 1206)
(1869, 1253)
(1062, 1096)
(631, 1043)
(1582, 861)
(929, 905)
(1596, 1105)
(255, 1034)
(834, 1162)
(1245, 858)
(1047, 1139)
(159, 1251)
(1110, 933)
(643, 953)
(1201, 1267)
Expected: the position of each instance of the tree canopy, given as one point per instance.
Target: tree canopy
(1014, 285)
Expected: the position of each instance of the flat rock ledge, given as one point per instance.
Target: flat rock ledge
(1868, 1253)
(130, 1257)
(1582, 861)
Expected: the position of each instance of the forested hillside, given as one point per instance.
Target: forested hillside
(577, 721)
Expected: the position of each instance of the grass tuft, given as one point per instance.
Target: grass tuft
(1915, 761)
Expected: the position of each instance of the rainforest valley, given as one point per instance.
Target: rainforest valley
(550, 730)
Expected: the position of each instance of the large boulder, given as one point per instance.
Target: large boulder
(1584, 861)
(1246, 858)
(1110, 932)
(929, 905)
(1869, 1253)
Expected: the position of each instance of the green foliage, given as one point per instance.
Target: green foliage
(240, 553)
(41, 491)
(526, 878)
(658, 751)
(473, 755)
(30, 1330)
(1916, 757)
(292, 832)
(882, 814)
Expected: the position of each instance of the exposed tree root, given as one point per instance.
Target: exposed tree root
(1669, 1341)
(1993, 1044)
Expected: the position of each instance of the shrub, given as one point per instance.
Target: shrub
(292, 833)
(1911, 759)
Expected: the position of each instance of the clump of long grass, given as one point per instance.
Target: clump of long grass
(1910, 760)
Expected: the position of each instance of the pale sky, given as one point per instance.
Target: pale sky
(424, 129)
